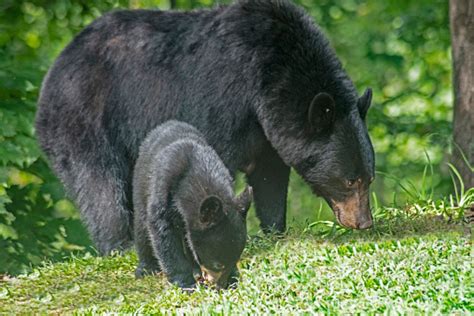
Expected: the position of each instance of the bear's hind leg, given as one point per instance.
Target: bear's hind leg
(101, 198)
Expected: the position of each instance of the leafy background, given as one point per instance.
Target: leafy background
(399, 48)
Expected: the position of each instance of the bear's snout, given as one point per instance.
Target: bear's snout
(353, 212)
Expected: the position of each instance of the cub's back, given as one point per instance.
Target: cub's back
(170, 146)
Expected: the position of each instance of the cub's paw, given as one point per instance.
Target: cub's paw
(144, 270)
(186, 283)
(189, 289)
(197, 274)
(233, 279)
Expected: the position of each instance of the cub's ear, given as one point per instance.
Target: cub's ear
(211, 211)
(244, 200)
(321, 113)
(364, 103)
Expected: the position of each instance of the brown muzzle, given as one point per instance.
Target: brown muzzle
(354, 211)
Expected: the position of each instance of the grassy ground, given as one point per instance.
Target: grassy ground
(406, 264)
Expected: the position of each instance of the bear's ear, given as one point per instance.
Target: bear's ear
(364, 103)
(244, 200)
(211, 211)
(321, 113)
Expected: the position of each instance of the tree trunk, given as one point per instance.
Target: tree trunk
(462, 39)
(172, 4)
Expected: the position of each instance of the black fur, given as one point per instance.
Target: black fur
(186, 214)
(245, 75)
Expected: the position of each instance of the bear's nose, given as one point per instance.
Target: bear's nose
(366, 224)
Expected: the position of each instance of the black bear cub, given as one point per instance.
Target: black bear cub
(187, 219)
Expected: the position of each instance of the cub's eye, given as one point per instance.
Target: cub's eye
(351, 183)
(218, 267)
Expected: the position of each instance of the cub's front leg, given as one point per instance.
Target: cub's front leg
(189, 254)
(167, 243)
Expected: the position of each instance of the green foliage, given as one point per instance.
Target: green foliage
(421, 265)
(399, 48)
(35, 220)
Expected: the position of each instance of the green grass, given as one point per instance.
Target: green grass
(406, 264)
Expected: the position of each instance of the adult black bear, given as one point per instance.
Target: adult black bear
(257, 78)
(186, 215)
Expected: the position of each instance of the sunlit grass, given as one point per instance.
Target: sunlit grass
(409, 263)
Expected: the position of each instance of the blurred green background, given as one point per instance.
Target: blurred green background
(399, 48)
